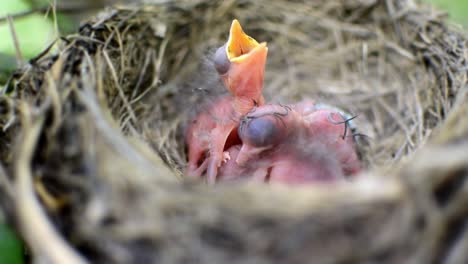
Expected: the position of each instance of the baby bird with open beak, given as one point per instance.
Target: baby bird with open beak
(241, 65)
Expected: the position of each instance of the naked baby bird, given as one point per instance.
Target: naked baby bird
(302, 143)
(240, 62)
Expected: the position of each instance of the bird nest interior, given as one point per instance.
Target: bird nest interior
(93, 151)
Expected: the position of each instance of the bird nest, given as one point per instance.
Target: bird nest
(92, 137)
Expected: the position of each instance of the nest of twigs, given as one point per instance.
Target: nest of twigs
(92, 137)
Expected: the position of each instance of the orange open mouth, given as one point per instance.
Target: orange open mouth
(240, 45)
(241, 65)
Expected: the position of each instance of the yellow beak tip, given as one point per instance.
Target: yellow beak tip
(240, 43)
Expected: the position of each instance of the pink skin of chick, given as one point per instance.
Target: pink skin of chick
(200, 134)
(241, 65)
(301, 144)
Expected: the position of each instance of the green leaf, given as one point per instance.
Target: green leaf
(11, 248)
(34, 32)
(457, 9)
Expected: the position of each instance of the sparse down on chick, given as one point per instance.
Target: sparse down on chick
(302, 143)
(241, 65)
(239, 137)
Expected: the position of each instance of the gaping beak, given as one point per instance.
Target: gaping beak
(245, 65)
(241, 46)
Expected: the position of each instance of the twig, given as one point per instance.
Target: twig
(6, 183)
(118, 86)
(111, 135)
(38, 231)
(51, 89)
(19, 56)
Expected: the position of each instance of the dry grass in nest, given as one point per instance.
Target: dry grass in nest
(95, 133)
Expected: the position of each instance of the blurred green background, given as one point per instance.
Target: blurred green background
(457, 9)
(36, 31)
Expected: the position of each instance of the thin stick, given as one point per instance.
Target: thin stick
(38, 231)
(119, 87)
(6, 183)
(19, 55)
